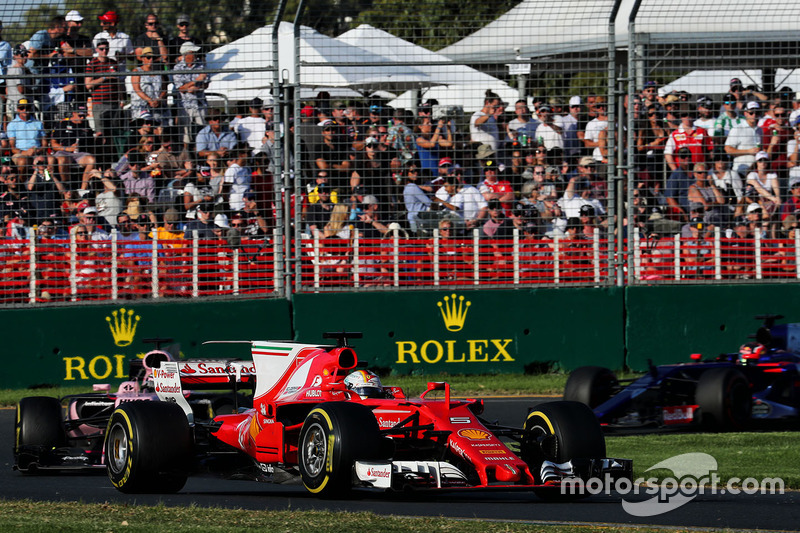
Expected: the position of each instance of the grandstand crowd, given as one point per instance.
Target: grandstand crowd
(112, 132)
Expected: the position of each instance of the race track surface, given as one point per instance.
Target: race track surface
(765, 512)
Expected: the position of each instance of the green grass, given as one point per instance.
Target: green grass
(742, 455)
(87, 518)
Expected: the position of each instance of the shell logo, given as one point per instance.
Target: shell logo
(474, 434)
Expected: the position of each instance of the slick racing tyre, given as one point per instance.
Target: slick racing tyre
(148, 447)
(590, 385)
(560, 432)
(724, 399)
(38, 429)
(334, 435)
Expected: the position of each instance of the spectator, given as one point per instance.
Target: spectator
(728, 182)
(400, 136)
(333, 157)
(253, 223)
(149, 88)
(430, 142)
(792, 204)
(695, 139)
(651, 136)
(579, 193)
(729, 118)
(87, 221)
(367, 223)
(744, 140)
(169, 231)
(251, 129)
(765, 183)
(371, 170)
(137, 180)
(494, 188)
(73, 142)
(483, 124)
(549, 133)
(197, 191)
(238, 178)
(43, 46)
(201, 225)
(106, 91)
(471, 204)
(44, 191)
(214, 139)
(776, 134)
(497, 225)
(19, 88)
(26, 136)
(705, 118)
(704, 192)
(175, 43)
(191, 87)
(107, 201)
(649, 94)
(678, 183)
(319, 212)
(154, 38)
(573, 129)
(75, 46)
(415, 199)
(5, 63)
(120, 47)
(595, 132)
(517, 128)
(338, 225)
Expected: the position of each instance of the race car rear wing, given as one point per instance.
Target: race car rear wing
(171, 377)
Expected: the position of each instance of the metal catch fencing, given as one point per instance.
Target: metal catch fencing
(373, 146)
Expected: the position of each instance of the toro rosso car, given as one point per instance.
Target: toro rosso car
(67, 433)
(319, 420)
(757, 386)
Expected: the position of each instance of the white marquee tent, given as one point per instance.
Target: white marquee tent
(326, 63)
(454, 84)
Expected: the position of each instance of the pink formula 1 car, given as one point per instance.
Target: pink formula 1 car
(67, 433)
(317, 418)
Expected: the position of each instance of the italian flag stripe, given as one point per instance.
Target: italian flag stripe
(263, 349)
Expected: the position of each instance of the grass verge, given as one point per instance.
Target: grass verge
(758, 455)
(35, 517)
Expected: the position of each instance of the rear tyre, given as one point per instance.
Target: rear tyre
(564, 431)
(40, 423)
(333, 437)
(590, 385)
(148, 447)
(724, 399)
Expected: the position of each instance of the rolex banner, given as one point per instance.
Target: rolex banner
(84, 345)
(472, 332)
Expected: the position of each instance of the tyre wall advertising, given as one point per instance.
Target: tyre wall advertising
(471, 332)
(667, 324)
(92, 344)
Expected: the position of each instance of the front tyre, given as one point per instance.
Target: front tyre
(591, 385)
(724, 399)
(147, 447)
(560, 432)
(39, 425)
(333, 437)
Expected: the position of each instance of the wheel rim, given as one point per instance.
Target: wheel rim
(314, 450)
(117, 450)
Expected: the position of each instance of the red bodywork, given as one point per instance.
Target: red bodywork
(291, 379)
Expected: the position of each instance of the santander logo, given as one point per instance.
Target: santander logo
(187, 370)
(378, 473)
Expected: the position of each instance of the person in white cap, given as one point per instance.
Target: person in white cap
(571, 130)
(78, 46)
(765, 182)
(192, 86)
(744, 140)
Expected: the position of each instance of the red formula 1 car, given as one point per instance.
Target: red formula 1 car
(67, 433)
(316, 418)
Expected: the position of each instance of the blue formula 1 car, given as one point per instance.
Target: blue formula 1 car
(756, 387)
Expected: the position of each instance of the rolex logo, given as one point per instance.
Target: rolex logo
(454, 312)
(123, 326)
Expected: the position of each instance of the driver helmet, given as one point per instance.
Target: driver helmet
(750, 352)
(364, 383)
